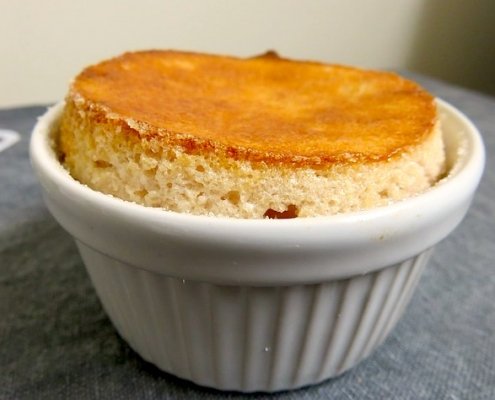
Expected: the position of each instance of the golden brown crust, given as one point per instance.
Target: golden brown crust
(263, 109)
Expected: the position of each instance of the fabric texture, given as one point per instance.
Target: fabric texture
(57, 343)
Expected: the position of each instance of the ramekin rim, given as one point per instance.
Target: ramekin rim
(44, 157)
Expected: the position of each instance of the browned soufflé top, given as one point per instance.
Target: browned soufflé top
(263, 108)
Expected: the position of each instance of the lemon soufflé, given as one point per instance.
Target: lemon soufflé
(249, 138)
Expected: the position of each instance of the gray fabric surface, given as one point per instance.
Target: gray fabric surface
(57, 343)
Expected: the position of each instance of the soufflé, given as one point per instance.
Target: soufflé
(261, 137)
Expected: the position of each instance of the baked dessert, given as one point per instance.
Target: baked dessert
(249, 138)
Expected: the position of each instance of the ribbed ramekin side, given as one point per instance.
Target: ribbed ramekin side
(252, 338)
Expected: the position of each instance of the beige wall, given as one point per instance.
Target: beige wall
(43, 44)
(455, 41)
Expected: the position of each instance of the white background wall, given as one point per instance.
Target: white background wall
(44, 43)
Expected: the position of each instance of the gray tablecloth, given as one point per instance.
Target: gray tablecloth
(57, 343)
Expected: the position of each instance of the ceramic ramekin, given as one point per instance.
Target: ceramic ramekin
(257, 305)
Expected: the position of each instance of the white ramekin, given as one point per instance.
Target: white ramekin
(257, 305)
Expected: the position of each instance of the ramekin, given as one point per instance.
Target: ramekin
(257, 305)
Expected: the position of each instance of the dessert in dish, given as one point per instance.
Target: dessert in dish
(249, 138)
